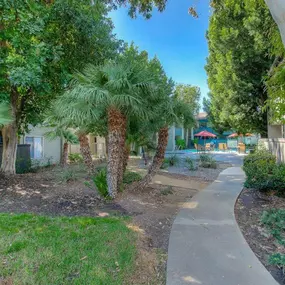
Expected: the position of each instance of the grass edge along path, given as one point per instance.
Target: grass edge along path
(65, 250)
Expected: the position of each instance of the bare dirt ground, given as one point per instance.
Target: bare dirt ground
(152, 209)
(248, 210)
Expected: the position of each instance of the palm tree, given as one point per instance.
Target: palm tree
(67, 136)
(171, 111)
(120, 90)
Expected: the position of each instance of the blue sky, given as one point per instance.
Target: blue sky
(174, 36)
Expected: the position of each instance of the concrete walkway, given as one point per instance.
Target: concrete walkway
(206, 246)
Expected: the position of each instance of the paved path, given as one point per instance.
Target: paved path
(206, 246)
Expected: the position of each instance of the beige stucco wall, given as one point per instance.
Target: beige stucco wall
(276, 146)
(97, 148)
(51, 148)
(275, 131)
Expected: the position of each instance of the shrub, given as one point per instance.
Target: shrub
(100, 181)
(207, 161)
(165, 164)
(130, 177)
(278, 176)
(181, 143)
(274, 220)
(190, 164)
(75, 157)
(263, 173)
(173, 160)
(67, 175)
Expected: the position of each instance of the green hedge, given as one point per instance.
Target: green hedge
(263, 173)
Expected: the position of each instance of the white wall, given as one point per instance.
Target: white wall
(51, 149)
(275, 146)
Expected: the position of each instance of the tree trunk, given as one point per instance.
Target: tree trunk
(116, 135)
(158, 158)
(9, 135)
(85, 152)
(64, 155)
(277, 9)
(123, 159)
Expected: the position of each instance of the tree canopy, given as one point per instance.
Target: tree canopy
(42, 44)
(239, 59)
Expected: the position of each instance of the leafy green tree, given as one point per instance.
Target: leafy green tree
(42, 42)
(188, 94)
(238, 61)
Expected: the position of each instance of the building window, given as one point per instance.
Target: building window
(36, 146)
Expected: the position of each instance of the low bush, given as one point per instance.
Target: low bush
(263, 173)
(170, 161)
(181, 143)
(190, 164)
(75, 157)
(165, 164)
(173, 160)
(67, 175)
(130, 177)
(207, 161)
(100, 181)
(274, 221)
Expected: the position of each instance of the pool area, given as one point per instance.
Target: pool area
(232, 156)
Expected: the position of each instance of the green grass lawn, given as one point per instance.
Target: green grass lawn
(61, 250)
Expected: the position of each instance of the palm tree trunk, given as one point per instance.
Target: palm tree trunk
(64, 154)
(9, 135)
(85, 151)
(116, 139)
(158, 158)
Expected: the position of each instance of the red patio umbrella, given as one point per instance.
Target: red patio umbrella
(205, 134)
(234, 135)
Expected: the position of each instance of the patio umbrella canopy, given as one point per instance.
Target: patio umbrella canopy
(234, 135)
(205, 134)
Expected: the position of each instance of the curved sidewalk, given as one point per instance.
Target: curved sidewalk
(206, 246)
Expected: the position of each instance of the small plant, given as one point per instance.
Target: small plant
(181, 143)
(274, 222)
(67, 175)
(75, 157)
(100, 181)
(130, 177)
(207, 161)
(173, 160)
(165, 163)
(190, 164)
(167, 191)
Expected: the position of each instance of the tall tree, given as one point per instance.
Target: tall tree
(188, 94)
(120, 90)
(237, 63)
(42, 42)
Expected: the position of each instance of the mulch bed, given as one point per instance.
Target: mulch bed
(249, 208)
